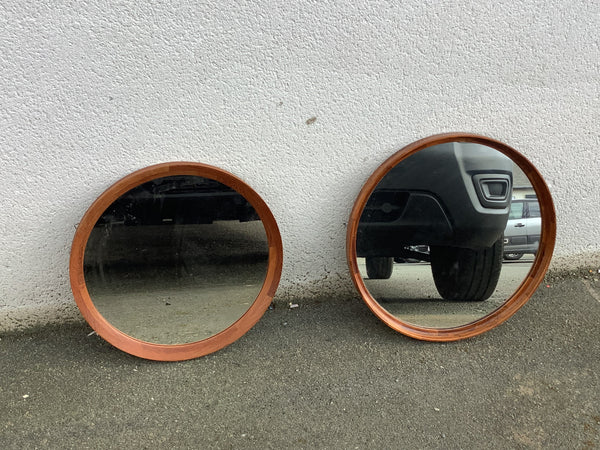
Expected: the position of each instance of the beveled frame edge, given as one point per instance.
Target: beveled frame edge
(527, 287)
(176, 352)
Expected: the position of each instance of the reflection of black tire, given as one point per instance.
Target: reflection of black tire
(466, 274)
(513, 256)
(379, 267)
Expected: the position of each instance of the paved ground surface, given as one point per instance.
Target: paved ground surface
(327, 374)
(410, 294)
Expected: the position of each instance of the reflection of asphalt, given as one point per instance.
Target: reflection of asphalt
(157, 244)
(410, 294)
(176, 284)
(327, 374)
(167, 309)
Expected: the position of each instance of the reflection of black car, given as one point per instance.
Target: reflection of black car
(178, 199)
(176, 223)
(453, 198)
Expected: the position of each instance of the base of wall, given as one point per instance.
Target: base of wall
(575, 264)
(28, 317)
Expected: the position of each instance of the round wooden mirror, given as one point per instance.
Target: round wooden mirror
(450, 236)
(175, 261)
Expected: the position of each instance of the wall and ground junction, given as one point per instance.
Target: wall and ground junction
(301, 99)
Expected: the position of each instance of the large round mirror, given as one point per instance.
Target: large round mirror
(450, 236)
(175, 261)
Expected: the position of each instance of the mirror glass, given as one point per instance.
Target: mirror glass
(448, 235)
(176, 259)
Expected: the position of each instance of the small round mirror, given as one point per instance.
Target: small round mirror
(175, 261)
(450, 236)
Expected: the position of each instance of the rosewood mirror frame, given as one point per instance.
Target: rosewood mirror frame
(176, 352)
(527, 287)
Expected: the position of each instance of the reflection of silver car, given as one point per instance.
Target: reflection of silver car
(523, 230)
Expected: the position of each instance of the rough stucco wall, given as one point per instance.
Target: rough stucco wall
(94, 90)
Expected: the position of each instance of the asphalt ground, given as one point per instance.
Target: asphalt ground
(327, 374)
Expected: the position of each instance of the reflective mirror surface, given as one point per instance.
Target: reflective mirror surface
(446, 235)
(177, 260)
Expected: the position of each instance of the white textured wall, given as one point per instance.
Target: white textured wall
(91, 91)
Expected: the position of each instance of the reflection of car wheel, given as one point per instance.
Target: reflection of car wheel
(466, 274)
(513, 256)
(379, 267)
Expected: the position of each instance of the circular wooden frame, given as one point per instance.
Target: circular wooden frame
(178, 352)
(525, 289)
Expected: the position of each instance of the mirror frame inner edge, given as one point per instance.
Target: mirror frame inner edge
(527, 287)
(176, 352)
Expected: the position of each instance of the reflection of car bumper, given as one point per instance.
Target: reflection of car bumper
(521, 244)
(435, 228)
(444, 195)
(179, 200)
